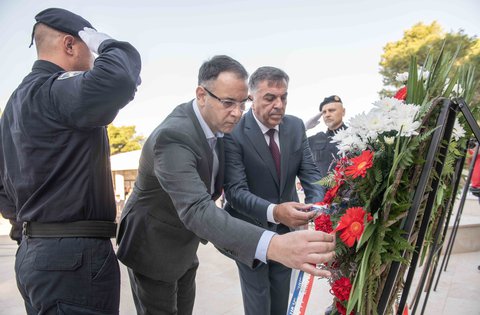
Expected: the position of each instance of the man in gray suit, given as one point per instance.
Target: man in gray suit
(172, 208)
(264, 154)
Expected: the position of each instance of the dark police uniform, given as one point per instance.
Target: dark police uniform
(323, 150)
(55, 168)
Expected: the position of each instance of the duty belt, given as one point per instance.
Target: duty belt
(94, 229)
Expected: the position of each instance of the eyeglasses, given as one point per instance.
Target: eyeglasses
(229, 104)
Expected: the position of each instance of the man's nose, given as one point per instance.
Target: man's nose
(278, 103)
(237, 111)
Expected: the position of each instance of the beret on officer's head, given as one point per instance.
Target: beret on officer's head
(61, 20)
(330, 99)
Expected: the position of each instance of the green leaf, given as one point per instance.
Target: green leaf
(369, 229)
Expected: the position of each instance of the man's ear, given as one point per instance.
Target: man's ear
(200, 93)
(68, 42)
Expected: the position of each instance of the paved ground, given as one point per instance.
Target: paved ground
(218, 289)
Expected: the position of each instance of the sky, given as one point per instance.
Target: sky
(326, 47)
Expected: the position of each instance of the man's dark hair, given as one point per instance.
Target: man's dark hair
(271, 74)
(210, 69)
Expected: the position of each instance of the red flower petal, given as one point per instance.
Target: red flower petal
(351, 225)
(323, 223)
(401, 94)
(360, 164)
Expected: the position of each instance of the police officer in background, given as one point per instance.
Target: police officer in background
(55, 169)
(324, 151)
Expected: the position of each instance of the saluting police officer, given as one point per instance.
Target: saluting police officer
(55, 169)
(323, 150)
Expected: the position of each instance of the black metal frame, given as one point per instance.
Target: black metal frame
(435, 159)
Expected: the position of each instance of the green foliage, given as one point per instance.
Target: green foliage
(427, 43)
(327, 181)
(123, 139)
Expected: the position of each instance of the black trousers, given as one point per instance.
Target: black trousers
(68, 276)
(155, 297)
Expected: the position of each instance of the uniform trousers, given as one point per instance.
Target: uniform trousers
(156, 297)
(68, 276)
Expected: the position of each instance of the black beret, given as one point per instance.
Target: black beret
(330, 99)
(61, 20)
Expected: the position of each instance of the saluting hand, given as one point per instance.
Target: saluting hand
(92, 38)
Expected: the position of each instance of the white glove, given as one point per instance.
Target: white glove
(92, 38)
(313, 122)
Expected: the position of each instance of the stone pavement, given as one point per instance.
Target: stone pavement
(218, 289)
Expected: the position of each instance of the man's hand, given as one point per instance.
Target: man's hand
(303, 250)
(92, 38)
(292, 214)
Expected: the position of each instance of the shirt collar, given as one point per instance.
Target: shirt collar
(46, 66)
(206, 129)
(263, 128)
(331, 133)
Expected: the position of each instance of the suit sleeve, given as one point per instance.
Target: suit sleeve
(176, 169)
(309, 174)
(93, 98)
(236, 185)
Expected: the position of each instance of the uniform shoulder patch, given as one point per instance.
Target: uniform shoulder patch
(69, 74)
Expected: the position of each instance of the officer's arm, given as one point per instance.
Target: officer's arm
(7, 209)
(93, 98)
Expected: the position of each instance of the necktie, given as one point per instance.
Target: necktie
(274, 150)
(212, 142)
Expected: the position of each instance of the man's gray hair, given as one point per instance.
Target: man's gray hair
(270, 74)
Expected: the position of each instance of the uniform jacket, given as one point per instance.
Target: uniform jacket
(171, 210)
(323, 150)
(55, 157)
(251, 181)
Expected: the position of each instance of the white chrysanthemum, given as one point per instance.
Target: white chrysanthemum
(359, 125)
(341, 134)
(405, 110)
(458, 131)
(348, 140)
(407, 127)
(349, 143)
(387, 104)
(403, 119)
(402, 77)
(378, 122)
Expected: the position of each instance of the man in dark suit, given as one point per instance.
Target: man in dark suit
(172, 208)
(264, 154)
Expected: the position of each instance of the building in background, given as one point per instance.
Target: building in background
(124, 172)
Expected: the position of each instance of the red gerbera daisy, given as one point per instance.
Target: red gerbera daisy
(330, 195)
(351, 225)
(401, 94)
(323, 223)
(360, 164)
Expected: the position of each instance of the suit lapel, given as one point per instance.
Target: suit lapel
(257, 138)
(202, 140)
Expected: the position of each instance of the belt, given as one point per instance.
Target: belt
(94, 229)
